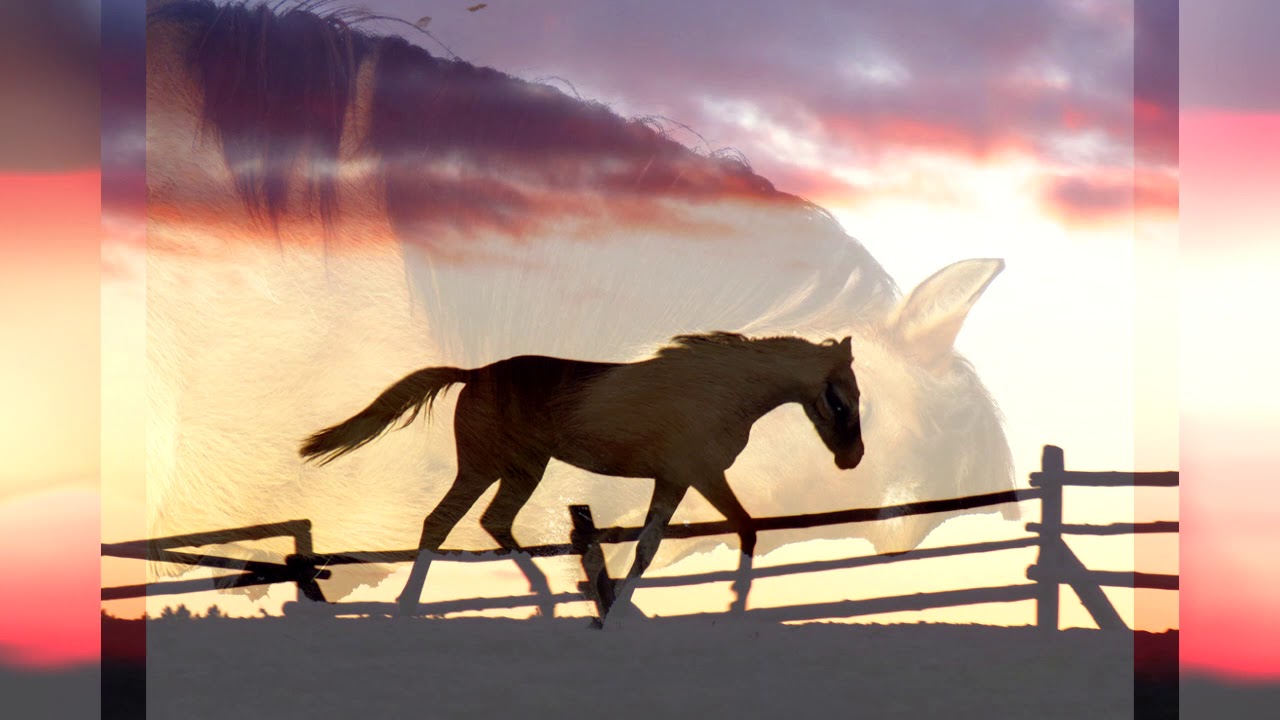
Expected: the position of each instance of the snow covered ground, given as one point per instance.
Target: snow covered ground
(670, 667)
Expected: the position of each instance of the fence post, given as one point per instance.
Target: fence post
(598, 586)
(1048, 563)
(301, 566)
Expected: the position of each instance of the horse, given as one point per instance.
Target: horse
(681, 418)
(327, 206)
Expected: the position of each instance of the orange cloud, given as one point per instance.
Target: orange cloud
(875, 134)
(1155, 133)
(1101, 197)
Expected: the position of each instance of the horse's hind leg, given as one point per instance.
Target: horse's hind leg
(514, 491)
(465, 491)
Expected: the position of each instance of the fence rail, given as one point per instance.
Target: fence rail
(1055, 566)
(1078, 478)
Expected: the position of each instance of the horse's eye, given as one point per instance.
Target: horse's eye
(833, 400)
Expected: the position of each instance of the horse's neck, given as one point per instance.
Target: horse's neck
(771, 381)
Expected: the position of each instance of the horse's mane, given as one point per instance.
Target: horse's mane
(701, 342)
(278, 84)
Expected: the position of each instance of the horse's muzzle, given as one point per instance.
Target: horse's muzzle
(850, 460)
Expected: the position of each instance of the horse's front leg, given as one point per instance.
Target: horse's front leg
(720, 495)
(666, 498)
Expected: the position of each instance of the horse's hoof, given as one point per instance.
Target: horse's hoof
(624, 614)
(595, 624)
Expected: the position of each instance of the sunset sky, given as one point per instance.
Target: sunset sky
(995, 131)
(1230, 135)
(933, 132)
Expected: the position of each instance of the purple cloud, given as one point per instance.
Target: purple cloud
(1230, 55)
(49, 87)
(996, 72)
(802, 91)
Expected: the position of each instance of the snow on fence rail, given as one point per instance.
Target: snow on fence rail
(1056, 564)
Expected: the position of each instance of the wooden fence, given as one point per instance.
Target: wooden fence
(1056, 564)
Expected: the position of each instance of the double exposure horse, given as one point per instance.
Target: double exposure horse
(681, 418)
(327, 207)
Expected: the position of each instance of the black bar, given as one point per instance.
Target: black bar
(691, 530)
(1076, 478)
(899, 603)
(399, 556)
(435, 608)
(180, 587)
(844, 564)
(216, 561)
(152, 549)
(844, 608)
(144, 549)
(839, 517)
(1090, 594)
(1137, 580)
(776, 571)
(1150, 581)
(1114, 528)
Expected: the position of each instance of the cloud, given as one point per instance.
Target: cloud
(1229, 55)
(990, 71)
(1079, 196)
(1082, 86)
(1155, 82)
(828, 87)
(123, 110)
(462, 148)
(49, 89)
(1095, 198)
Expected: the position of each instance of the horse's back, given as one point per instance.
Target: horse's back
(524, 400)
(540, 379)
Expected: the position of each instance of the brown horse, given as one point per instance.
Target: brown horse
(681, 418)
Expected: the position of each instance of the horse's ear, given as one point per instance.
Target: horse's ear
(928, 320)
(847, 346)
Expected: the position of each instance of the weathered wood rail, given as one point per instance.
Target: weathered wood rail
(1055, 566)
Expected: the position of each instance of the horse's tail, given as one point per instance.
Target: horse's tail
(416, 391)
